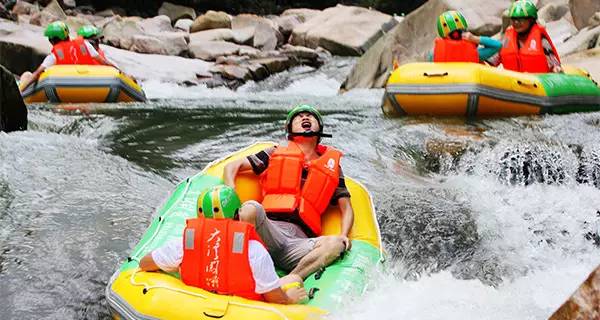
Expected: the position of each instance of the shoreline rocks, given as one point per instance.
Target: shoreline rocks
(230, 49)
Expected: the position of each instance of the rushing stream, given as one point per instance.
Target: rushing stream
(486, 219)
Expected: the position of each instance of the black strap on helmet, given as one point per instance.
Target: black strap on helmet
(310, 133)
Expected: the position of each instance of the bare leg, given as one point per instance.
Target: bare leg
(326, 250)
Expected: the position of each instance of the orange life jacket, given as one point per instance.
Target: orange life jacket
(72, 52)
(448, 50)
(283, 193)
(530, 57)
(215, 256)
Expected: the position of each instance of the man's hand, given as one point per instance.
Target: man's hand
(557, 69)
(470, 37)
(296, 294)
(347, 242)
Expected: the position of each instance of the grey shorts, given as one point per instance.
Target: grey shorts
(286, 242)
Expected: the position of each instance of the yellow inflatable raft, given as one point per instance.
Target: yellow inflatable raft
(133, 294)
(83, 83)
(474, 90)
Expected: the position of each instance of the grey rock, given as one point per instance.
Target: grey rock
(582, 11)
(13, 112)
(343, 30)
(211, 20)
(211, 50)
(183, 24)
(176, 12)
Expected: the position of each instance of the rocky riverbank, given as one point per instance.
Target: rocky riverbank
(574, 26)
(213, 48)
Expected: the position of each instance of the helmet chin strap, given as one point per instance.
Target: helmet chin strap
(310, 133)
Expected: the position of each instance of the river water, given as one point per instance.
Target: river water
(486, 219)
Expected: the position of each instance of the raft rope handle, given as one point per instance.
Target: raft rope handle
(435, 74)
(239, 304)
(527, 83)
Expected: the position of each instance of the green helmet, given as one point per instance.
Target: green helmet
(522, 9)
(219, 202)
(450, 21)
(88, 31)
(57, 29)
(299, 109)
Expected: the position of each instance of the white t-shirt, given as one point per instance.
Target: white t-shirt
(169, 257)
(50, 59)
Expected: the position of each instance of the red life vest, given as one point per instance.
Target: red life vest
(282, 189)
(215, 257)
(448, 50)
(72, 52)
(530, 57)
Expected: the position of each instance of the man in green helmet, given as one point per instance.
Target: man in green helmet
(527, 46)
(204, 256)
(64, 51)
(93, 35)
(456, 44)
(299, 181)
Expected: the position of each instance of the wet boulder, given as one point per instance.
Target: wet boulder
(301, 13)
(343, 30)
(560, 30)
(266, 37)
(286, 24)
(160, 68)
(22, 46)
(583, 10)
(584, 303)
(167, 43)
(211, 50)
(176, 12)
(212, 35)
(586, 38)
(428, 230)
(211, 20)
(259, 32)
(588, 59)
(154, 35)
(25, 8)
(553, 12)
(119, 31)
(183, 25)
(52, 12)
(13, 112)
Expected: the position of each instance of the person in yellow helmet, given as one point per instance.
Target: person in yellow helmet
(456, 44)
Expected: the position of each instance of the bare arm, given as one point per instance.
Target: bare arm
(148, 264)
(347, 219)
(232, 168)
(34, 78)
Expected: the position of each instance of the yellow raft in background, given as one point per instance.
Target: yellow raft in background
(477, 90)
(83, 83)
(133, 294)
